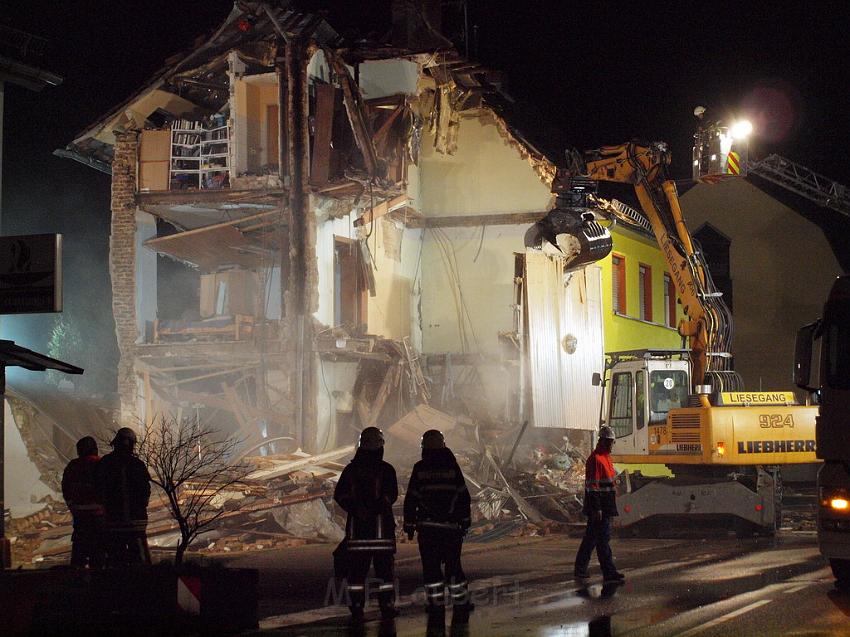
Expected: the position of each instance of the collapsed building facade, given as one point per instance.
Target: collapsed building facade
(310, 236)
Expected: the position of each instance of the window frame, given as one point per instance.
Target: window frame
(630, 416)
(618, 283)
(645, 291)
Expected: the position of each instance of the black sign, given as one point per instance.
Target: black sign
(31, 274)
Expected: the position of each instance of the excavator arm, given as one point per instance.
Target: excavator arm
(708, 323)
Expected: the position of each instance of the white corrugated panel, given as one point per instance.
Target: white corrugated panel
(565, 342)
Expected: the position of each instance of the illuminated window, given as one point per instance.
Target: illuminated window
(645, 291)
(618, 283)
(669, 302)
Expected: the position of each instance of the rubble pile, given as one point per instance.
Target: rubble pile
(291, 508)
(287, 500)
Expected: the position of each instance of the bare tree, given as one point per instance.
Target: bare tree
(193, 464)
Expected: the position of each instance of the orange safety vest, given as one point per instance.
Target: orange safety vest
(599, 488)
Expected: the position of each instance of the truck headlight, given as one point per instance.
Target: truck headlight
(839, 504)
(834, 499)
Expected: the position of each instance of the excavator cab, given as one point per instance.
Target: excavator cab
(641, 387)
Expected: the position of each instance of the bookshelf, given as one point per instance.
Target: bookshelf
(200, 156)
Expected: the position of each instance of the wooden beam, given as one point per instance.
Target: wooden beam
(224, 224)
(288, 466)
(469, 221)
(381, 209)
(354, 108)
(388, 384)
(324, 119)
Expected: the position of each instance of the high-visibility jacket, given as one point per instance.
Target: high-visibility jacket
(437, 496)
(366, 490)
(599, 476)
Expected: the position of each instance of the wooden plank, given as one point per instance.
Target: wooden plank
(356, 116)
(324, 119)
(178, 235)
(387, 385)
(381, 209)
(294, 465)
(466, 221)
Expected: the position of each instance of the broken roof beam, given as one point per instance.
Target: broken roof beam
(468, 221)
(354, 107)
(382, 209)
(203, 247)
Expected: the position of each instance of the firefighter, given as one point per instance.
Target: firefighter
(437, 507)
(366, 490)
(123, 483)
(599, 506)
(80, 493)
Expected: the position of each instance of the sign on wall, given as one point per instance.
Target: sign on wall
(31, 274)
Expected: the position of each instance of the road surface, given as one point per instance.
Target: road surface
(724, 586)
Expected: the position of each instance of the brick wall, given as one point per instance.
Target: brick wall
(122, 269)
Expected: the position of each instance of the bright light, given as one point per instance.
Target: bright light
(741, 129)
(721, 448)
(839, 504)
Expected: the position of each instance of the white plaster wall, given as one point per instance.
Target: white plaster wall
(23, 481)
(393, 312)
(145, 273)
(485, 285)
(334, 381)
(272, 296)
(326, 230)
(381, 78)
(782, 268)
(486, 175)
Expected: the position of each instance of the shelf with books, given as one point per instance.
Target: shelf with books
(200, 156)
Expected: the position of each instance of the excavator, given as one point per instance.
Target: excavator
(684, 409)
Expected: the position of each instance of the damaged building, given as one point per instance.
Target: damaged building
(310, 236)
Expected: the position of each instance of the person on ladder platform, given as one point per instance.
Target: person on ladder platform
(600, 506)
(366, 490)
(437, 506)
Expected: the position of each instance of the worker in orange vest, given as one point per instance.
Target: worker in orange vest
(600, 506)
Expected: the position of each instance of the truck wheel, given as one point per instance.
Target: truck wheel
(841, 571)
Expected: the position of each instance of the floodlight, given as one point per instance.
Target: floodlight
(741, 129)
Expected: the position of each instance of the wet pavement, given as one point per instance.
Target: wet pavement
(727, 586)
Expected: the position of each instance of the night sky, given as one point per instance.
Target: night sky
(582, 74)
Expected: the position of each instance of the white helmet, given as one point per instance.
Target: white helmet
(606, 433)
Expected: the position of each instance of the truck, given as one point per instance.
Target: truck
(831, 392)
(685, 410)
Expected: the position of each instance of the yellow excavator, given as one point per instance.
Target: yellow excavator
(686, 409)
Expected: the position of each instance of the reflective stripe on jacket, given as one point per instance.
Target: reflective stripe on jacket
(366, 491)
(437, 496)
(599, 487)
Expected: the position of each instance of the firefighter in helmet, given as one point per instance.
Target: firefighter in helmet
(366, 490)
(123, 484)
(437, 507)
